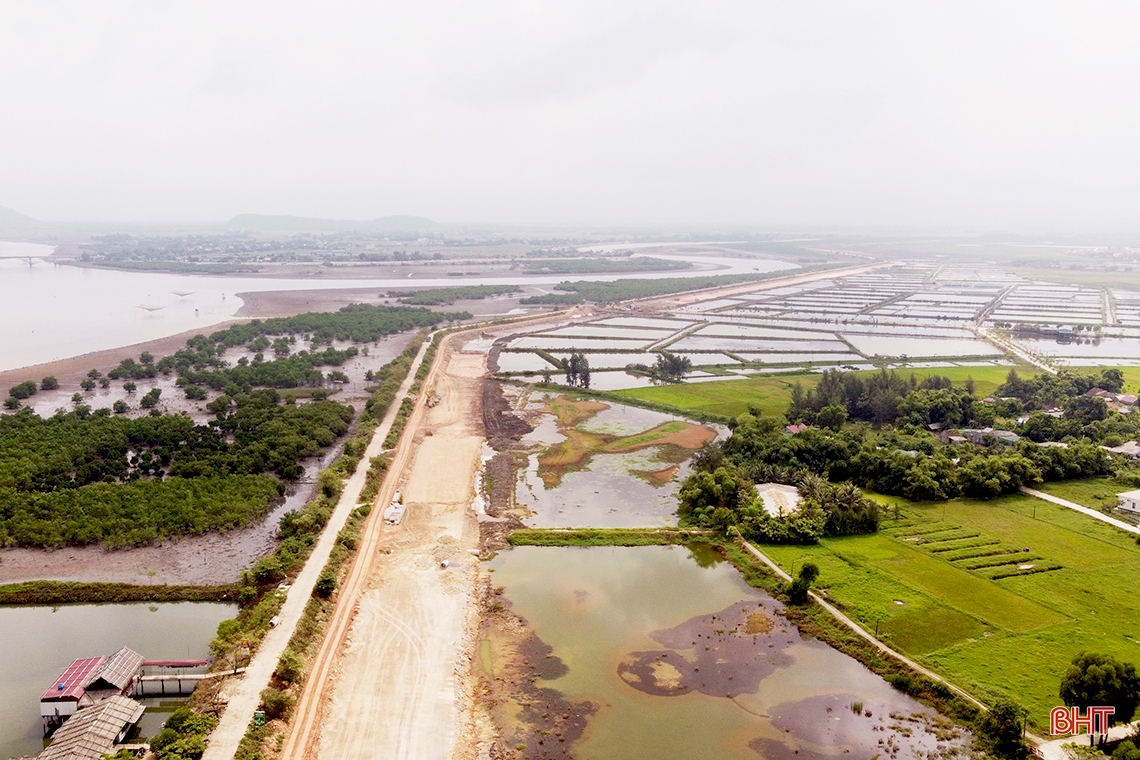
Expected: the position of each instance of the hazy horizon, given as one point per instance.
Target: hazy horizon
(970, 117)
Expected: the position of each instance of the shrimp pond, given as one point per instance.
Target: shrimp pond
(609, 653)
(595, 464)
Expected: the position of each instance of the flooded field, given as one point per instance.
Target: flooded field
(665, 652)
(47, 639)
(605, 465)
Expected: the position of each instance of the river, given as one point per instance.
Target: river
(40, 641)
(55, 311)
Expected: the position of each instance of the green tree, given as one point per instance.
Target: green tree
(23, 390)
(831, 416)
(1096, 679)
(1004, 725)
(49, 383)
(130, 386)
(1126, 750)
(325, 585)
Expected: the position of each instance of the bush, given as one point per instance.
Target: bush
(325, 585)
(276, 704)
(290, 667)
(24, 390)
(49, 383)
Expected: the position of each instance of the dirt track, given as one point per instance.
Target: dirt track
(384, 682)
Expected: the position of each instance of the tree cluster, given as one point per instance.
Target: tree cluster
(577, 369)
(721, 495)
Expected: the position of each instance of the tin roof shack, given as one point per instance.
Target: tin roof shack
(62, 700)
(95, 731)
(1129, 501)
(1130, 449)
(89, 682)
(117, 676)
(985, 436)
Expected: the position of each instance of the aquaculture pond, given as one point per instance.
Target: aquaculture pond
(605, 465)
(40, 641)
(665, 652)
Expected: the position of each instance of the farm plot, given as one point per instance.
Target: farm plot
(996, 595)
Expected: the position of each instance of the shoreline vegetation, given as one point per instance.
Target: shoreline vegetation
(571, 293)
(58, 593)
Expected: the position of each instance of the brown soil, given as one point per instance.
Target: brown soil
(659, 477)
(502, 425)
(569, 412)
(531, 719)
(574, 452)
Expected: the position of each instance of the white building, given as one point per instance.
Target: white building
(1130, 501)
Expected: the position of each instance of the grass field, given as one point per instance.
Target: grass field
(1093, 492)
(772, 393)
(1014, 636)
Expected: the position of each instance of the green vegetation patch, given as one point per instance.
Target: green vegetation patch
(448, 296)
(603, 536)
(72, 592)
(772, 394)
(1010, 636)
(603, 265)
(134, 513)
(621, 290)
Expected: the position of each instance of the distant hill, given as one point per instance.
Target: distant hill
(270, 223)
(13, 220)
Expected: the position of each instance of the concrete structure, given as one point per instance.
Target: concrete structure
(1130, 449)
(1129, 501)
(779, 500)
(95, 731)
(984, 436)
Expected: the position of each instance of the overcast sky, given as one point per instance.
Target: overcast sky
(990, 115)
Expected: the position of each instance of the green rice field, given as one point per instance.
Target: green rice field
(943, 583)
(771, 393)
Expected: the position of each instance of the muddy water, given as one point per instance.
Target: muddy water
(610, 490)
(670, 654)
(47, 639)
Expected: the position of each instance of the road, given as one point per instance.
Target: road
(384, 680)
(244, 695)
(1083, 510)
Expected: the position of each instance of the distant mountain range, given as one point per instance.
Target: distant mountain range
(14, 220)
(270, 223)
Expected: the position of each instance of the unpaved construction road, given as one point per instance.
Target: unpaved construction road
(384, 681)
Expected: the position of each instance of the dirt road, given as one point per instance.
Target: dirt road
(244, 696)
(384, 681)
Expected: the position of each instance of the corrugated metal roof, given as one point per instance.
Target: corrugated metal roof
(118, 670)
(91, 733)
(71, 682)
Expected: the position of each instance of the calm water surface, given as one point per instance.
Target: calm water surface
(38, 642)
(607, 610)
(53, 311)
